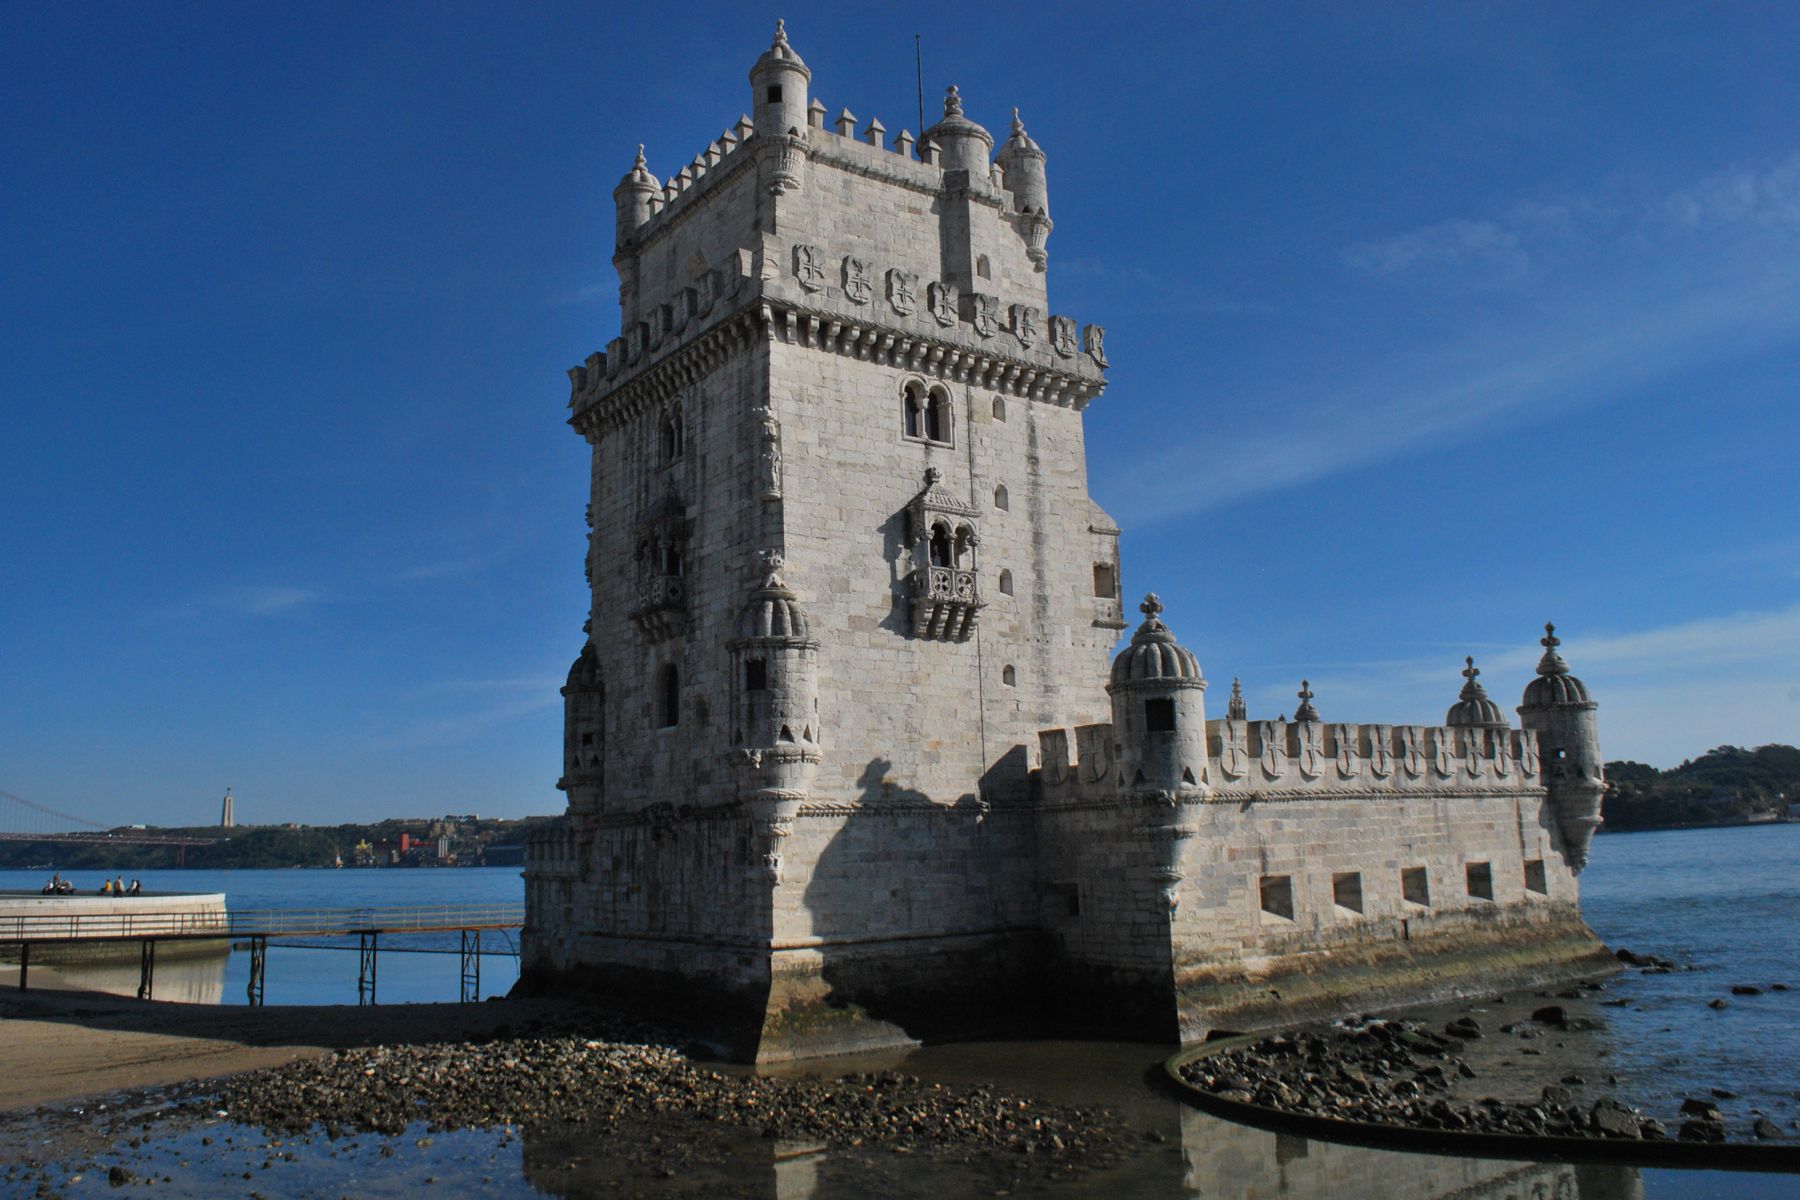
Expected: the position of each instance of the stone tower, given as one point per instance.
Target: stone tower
(849, 600)
(842, 556)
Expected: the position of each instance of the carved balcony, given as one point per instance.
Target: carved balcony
(945, 603)
(661, 610)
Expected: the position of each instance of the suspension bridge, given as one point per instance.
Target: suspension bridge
(23, 820)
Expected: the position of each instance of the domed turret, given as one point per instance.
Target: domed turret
(584, 732)
(1557, 706)
(1023, 163)
(775, 699)
(1473, 709)
(1159, 709)
(632, 197)
(778, 88)
(962, 144)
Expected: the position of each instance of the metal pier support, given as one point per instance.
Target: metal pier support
(24, 963)
(471, 965)
(146, 968)
(365, 965)
(259, 960)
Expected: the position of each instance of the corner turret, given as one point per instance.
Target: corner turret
(778, 84)
(1557, 706)
(584, 733)
(774, 708)
(632, 199)
(1159, 709)
(1022, 165)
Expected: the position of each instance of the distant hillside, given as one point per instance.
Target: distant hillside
(430, 842)
(1725, 786)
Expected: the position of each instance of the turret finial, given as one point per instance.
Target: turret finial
(772, 562)
(1552, 663)
(1151, 606)
(1234, 708)
(1306, 711)
(780, 32)
(1018, 125)
(932, 475)
(952, 102)
(1469, 668)
(639, 164)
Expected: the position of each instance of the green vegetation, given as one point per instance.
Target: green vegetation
(1725, 786)
(444, 841)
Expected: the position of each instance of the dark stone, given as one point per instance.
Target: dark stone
(1555, 1093)
(1609, 1118)
(1745, 989)
(1702, 1131)
(1715, 1004)
(119, 1177)
(1722, 1094)
(1463, 1027)
(1629, 959)
(1706, 1110)
(1551, 1014)
(1765, 1128)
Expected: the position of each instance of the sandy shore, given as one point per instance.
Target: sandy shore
(60, 1044)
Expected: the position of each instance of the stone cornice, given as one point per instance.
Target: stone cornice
(598, 412)
(989, 367)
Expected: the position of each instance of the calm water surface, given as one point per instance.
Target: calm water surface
(1725, 902)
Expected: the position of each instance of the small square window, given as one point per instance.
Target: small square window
(1481, 880)
(1415, 888)
(774, 94)
(1106, 584)
(1278, 896)
(1535, 879)
(1159, 716)
(756, 675)
(1346, 890)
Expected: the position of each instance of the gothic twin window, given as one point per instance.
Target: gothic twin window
(925, 413)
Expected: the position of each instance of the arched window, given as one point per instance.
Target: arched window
(1001, 500)
(913, 417)
(1008, 676)
(672, 438)
(940, 546)
(965, 545)
(1006, 583)
(937, 416)
(999, 409)
(668, 697)
(981, 266)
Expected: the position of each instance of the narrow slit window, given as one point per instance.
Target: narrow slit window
(1002, 501)
(999, 409)
(1009, 676)
(1006, 583)
(668, 697)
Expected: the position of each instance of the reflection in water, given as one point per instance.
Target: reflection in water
(192, 977)
(1173, 1151)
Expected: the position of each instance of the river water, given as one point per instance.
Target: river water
(1724, 903)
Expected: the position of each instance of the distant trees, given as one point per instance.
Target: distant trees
(1726, 785)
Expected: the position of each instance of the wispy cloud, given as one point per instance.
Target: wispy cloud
(250, 600)
(1611, 297)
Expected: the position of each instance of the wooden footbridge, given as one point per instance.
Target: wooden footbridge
(126, 923)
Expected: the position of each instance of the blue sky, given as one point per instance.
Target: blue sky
(1428, 324)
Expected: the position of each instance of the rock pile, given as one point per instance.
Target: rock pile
(1398, 1073)
(531, 1081)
